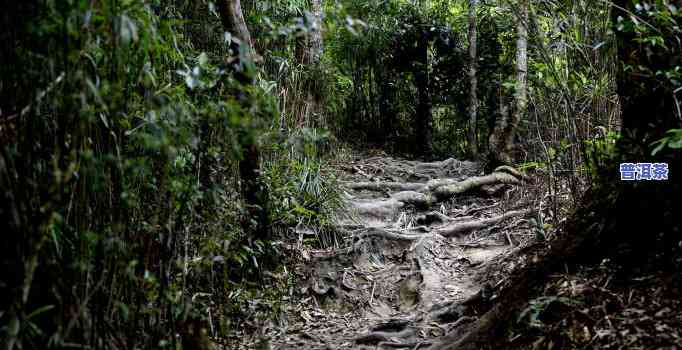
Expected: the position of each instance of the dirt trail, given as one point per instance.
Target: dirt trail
(419, 251)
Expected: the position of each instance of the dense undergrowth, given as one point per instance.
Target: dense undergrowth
(118, 169)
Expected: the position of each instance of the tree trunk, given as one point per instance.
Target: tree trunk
(308, 53)
(423, 118)
(316, 47)
(386, 106)
(473, 82)
(315, 51)
(520, 97)
(496, 154)
(233, 21)
(252, 188)
(308, 50)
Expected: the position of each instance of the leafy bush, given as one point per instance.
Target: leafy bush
(119, 185)
(302, 193)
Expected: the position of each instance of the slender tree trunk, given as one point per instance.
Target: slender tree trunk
(423, 118)
(473, 82)
(520, 97)
(315, 51)
(386, 107)
(308, 52)
(232, 19)
(253, 190)
(316, 44)
(496, 154)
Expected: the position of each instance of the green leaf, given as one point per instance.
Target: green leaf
(128, 30)
(39, 311)
(676, 144)
(202, 59)
(661, 143)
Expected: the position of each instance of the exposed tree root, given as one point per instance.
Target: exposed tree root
(384, 186)
(414, 198)
(445, 188)
(468, 226)
(397, 345)
(445, 192)
(395, 325)
(436, 165)
(526, 283)
(449, 230)
(426, 194)
(511, 171)
(378, 336)
(395, 275)
(384, 233)
(380, 209)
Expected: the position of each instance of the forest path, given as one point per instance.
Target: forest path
(413, 261)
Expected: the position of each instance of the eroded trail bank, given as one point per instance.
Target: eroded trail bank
(420, 248)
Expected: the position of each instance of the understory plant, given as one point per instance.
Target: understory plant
(120, 202)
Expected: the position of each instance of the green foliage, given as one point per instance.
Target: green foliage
(540, 228)
(672, 140)
(119, 184)
(302, 194)
(653, 25)
(601, 154)
(652, 31)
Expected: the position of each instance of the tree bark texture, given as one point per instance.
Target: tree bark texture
(233, 21)
(473, 82)
(520, 96)
(316, 43)
(315, 51)
(308, 52)
(253, 190)
(423, 119)
(496, 154)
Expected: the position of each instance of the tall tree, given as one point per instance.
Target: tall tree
(501, 139)
(308, 52)
(496, 154)
(253, 190)
(316, 43)
(233, 21)
(649, 109)
(315, 51)
(520, 96)
(423, 122)
(473, 82)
